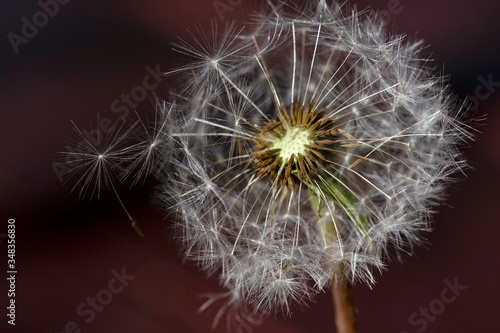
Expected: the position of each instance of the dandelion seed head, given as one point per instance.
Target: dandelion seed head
(313, 140)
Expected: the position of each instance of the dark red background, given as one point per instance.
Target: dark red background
(93, 51)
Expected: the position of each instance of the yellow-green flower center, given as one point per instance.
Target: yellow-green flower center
(293, 147)
(293, 142)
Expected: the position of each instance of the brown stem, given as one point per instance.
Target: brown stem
(345, 318)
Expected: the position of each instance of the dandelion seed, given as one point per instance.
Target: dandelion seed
(152, 141)
(96, 161)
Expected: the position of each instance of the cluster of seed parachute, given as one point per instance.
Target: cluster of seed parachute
(391, 147)
(382, 136)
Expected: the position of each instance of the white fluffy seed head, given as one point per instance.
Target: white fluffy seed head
(312, 140)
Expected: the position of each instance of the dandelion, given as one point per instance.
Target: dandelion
(312, 147)
(301, 153)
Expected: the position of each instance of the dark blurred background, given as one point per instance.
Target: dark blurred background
(89, 53)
